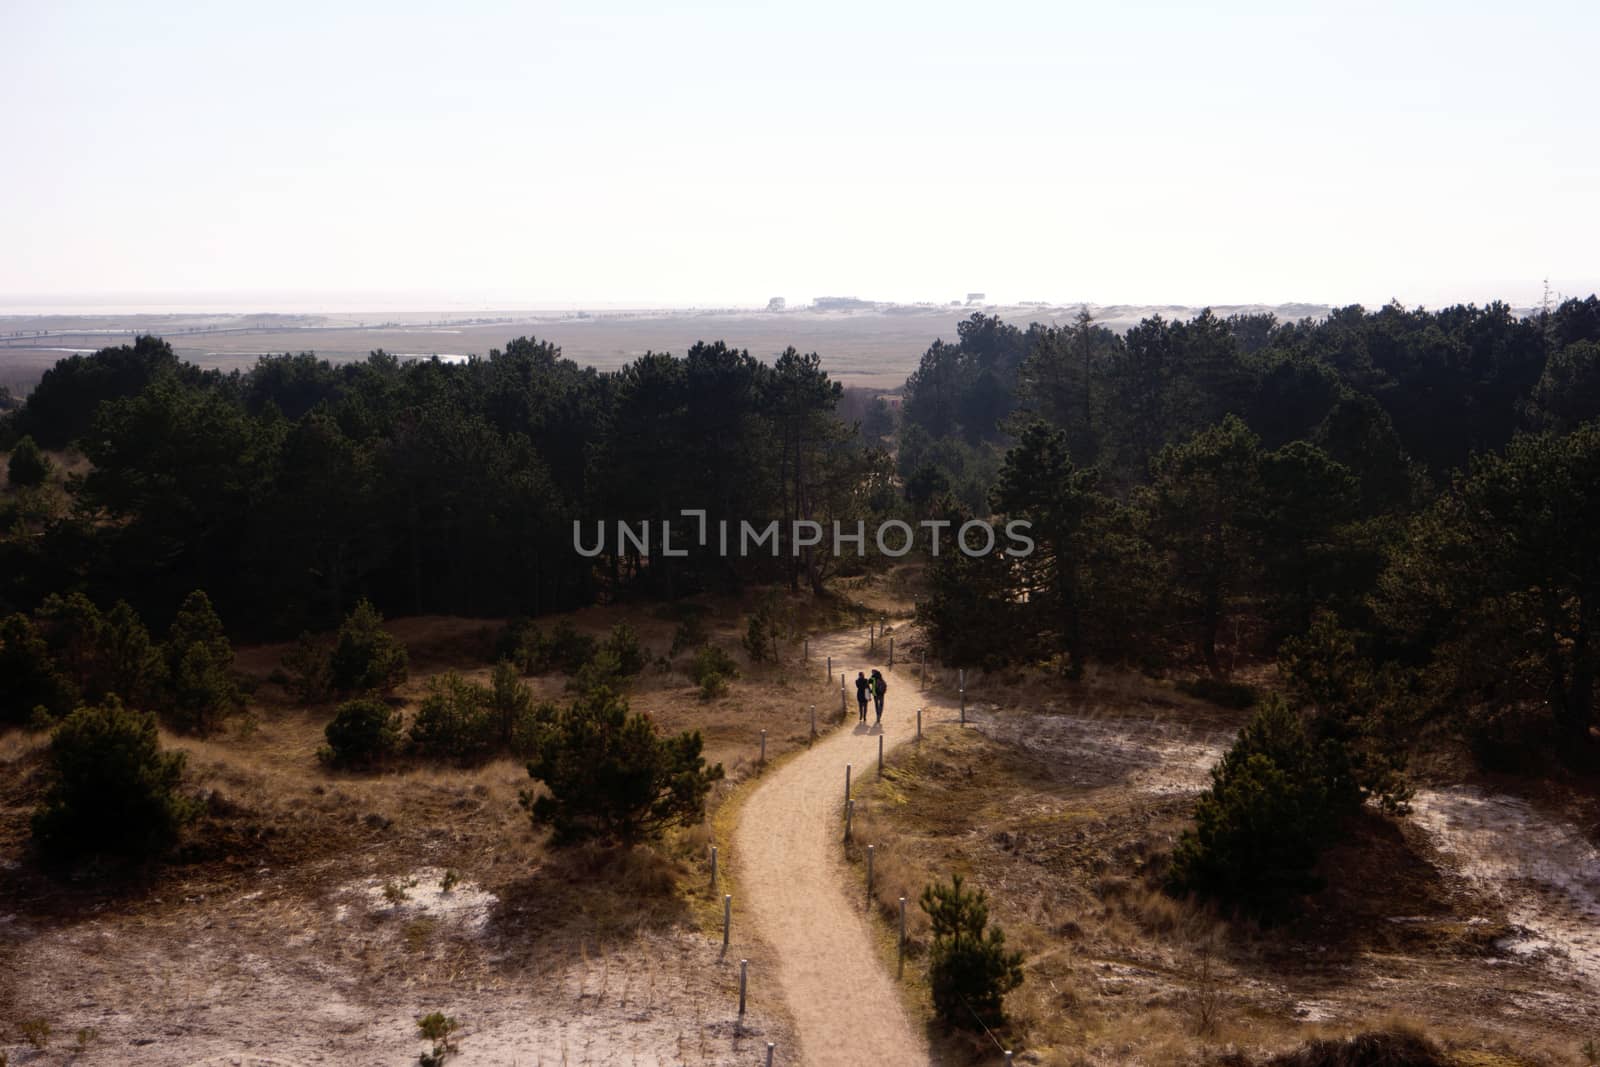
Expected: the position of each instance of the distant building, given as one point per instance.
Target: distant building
(777, 303)
(975, 298)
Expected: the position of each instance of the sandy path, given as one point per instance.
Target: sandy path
(787, 846)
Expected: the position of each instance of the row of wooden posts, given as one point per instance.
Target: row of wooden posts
(849, 815)
(922, 676)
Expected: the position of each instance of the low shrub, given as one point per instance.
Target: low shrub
(454, 721)
(309, 669)
(710, 670)
(363, 732)
(28, 466)
(566, 649)
(34, 690)
(623, 643)
(201, 690)
(610, 776)
(691, 633)
(970, 969)
(366, 657)
(519, 724)
(1380, 1048)
(1273, 805)
(603, 671)
(709, 660)
(111, 787)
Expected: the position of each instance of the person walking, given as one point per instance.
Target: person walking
(879, 687)
(862, 685)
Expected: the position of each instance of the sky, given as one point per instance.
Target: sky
(561, 154)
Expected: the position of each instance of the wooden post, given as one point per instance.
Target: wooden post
(900, 962)
(813, 722)
(963, 707)
(770, 1047)
(727, 920)
(713, 866)
(744, 973)
(829, 675)
(872, 638)
(849, 814)
(891, 651)
(841, 695)
(919, 724)
(763, 746)
(871, 849)
(806, 651)
(880, 755)
(847, 783)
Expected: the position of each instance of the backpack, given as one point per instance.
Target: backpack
(883, 686)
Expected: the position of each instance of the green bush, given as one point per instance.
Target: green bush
(710, 670)
(1272, 807)
(309, 669)
(762, 635)
(518, 724)
(363, 732)
(28, 466)
(366, 657)
(455, 721)
(691, 633)
(709, 660)
(201, 689)
(111, 787)
(440, 1029)
(1380, 1048)
(521, 642)
(29, 680)
(567, 649)
(609, 775)
(130, 659)
(623, 643)
(969, 968)
(603, 671)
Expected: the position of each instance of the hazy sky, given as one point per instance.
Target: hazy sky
(527, 152)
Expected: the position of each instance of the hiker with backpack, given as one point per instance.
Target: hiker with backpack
(879, 687)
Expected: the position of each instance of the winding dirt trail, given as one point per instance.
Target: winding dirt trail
(845, 1005)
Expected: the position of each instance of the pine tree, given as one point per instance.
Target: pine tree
(969, 966)
(111, 788)
(366, 657)
(609, 775)
(201, 690)
(29, 466)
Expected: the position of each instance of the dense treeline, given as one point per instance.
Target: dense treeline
(290, 491)
(1202, 491)
(1199, 491)
(1402, 506)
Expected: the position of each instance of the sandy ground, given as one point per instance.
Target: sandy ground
(790, 867)
(267, 977)
(1542, 871)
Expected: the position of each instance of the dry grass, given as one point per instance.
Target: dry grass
(279, 824)
(1118, 972)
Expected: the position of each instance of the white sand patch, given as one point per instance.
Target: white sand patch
(422, 894)
(1158, 755)
(1544, 871)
